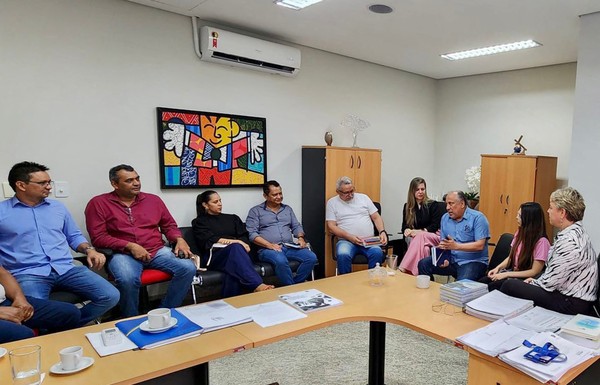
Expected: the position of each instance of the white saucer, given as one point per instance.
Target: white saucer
(85, 363)
(144, 326)
(2, 352)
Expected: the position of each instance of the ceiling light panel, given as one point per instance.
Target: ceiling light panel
(491, 50)
(296, 4)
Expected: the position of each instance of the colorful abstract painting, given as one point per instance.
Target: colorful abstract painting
(207, 149)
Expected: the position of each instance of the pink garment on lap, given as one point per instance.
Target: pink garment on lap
(419, 248)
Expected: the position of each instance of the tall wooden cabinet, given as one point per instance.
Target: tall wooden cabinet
(507, 181)
(321, 168)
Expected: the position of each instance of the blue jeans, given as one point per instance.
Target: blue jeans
(471, 270)
(279, 259)
(49, 315)
(127, 272)
(346, 250)
(79, 280)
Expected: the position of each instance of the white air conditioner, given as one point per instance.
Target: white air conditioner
(225, 47)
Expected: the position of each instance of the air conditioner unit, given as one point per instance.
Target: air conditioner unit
(225, 47)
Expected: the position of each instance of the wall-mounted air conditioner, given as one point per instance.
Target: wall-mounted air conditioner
(225, 47)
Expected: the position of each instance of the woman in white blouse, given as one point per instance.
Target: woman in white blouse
(570, 283)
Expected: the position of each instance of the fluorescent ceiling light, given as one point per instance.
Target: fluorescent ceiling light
(491, 50)
(296, 4)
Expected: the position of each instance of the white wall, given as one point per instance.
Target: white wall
(586, 134)
(483, 114)
(81, 80)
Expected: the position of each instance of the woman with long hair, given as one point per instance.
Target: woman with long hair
(213, 227)
(529, 248)
(421, 218)
(569, 284)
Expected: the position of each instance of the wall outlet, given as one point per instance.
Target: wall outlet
(61, 189)
(7, 190)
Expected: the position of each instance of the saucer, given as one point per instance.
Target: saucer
(85, 363)
(2, 352)
(144, 326)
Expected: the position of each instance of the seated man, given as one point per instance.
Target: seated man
(272, 224)
(350, 216)
(464, 235)
(18, 314)
(35, 235)
(132, 223)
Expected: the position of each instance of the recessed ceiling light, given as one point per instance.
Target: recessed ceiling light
(296, 4)
(491, 50)
(380, 8)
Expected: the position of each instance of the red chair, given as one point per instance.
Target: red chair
(150, 277)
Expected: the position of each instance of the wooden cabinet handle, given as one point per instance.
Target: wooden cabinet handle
(351, 161)
(508, 200)
(501, 195)
(359, 161)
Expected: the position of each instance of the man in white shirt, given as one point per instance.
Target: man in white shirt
(350, 216)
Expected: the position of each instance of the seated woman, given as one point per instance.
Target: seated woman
(211, 226)
(529, 248)
(570, 283)
(420, 224)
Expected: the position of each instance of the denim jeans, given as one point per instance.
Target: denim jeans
(79, 280)
(346, 250)
(49, 315)
(279, 259)
(127, 272)
(471, 270)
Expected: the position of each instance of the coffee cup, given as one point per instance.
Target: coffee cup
(159, 318)
(70, 357)
(423, 281)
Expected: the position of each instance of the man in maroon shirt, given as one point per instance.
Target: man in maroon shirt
(132, 223)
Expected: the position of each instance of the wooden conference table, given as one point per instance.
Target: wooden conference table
(398, 301)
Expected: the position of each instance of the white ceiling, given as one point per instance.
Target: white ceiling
(415, 34)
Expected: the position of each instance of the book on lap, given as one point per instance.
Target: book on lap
(371, 241)
(144, 340)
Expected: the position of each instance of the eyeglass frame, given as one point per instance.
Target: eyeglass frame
(43, 184)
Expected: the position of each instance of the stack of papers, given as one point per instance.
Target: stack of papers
(215, 315)
(495, 338)
(553, 370)
(460, 292)
(538, 319)
(182, 330)
(310, 300)
(583, 326)
(496, 305)
(371, 241)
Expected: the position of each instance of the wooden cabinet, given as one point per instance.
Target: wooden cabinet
(507, 181)
(321, 168)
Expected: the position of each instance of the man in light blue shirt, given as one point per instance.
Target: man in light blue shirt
(36, 235)
(464, 234)
(272, 226)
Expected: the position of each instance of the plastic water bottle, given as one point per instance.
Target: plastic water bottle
(377, 275)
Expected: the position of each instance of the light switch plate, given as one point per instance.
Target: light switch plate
(7, 190)
(61, 189)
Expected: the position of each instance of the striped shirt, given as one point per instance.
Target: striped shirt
(572, 268)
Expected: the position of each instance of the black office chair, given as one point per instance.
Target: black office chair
(501, 251)
(358, 259)
(596, 306)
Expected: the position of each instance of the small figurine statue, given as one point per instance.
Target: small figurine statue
(329, 138)
(519, 149)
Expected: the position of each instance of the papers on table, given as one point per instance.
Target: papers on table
(495, 305)
(102, 350)
(553, 370)
(460, 292)
(539, 319)
(495, 338)
(215, 315)
(310, 300)
(583, 326)
(273, 313)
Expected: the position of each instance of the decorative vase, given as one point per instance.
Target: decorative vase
(354, 139)
(473, 203)
(329, 138)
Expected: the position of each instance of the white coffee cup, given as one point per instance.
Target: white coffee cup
(159, 318)
(70, 357)
(423, 281)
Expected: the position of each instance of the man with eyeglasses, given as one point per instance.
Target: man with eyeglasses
(35, 236)
(132, 224)
(350, 216)
(464, 235)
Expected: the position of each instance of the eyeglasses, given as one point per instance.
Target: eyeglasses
(446, 308)
(44, 183)
(346, 192)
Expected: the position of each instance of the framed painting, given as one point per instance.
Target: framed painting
(200, 149)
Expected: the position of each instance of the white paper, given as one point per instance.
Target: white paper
(215, 315)
(495, 338)
(273, 313)
(539, 319)
(498, 304)
(102, 350)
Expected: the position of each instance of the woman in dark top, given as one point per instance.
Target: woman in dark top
(421, 218)
(210, 227)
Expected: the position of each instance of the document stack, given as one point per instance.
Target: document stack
(583, 326)
(458, 293)
(371, 241)
(495, 305)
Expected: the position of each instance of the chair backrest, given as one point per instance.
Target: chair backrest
(501, 251)
(188, 236)
(596, 305)
(378, 206)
